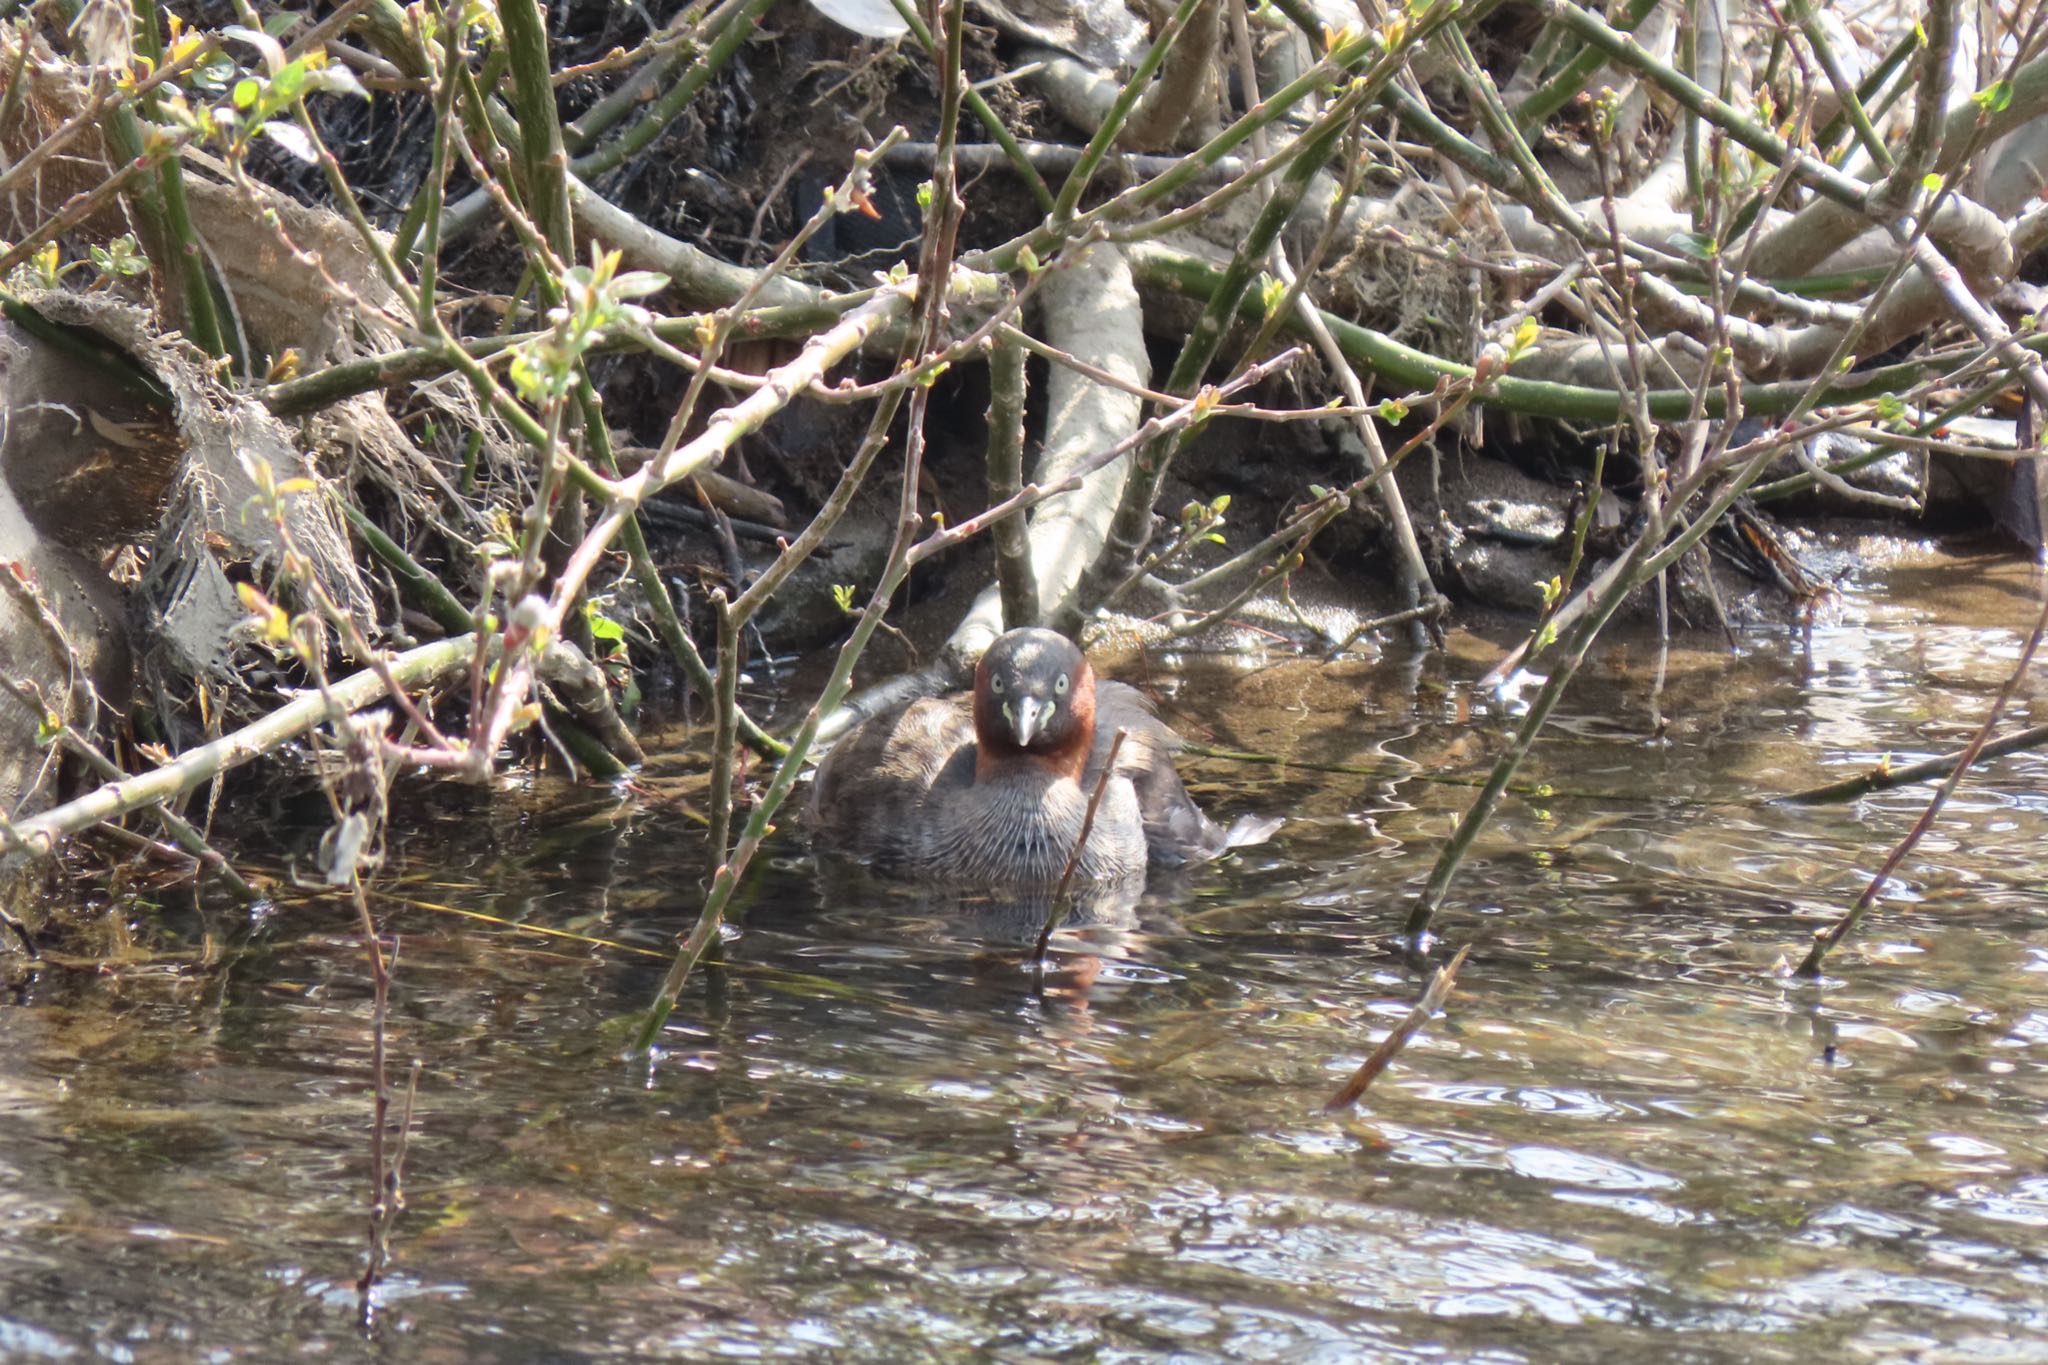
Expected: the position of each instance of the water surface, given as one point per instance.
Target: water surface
(874, 1134)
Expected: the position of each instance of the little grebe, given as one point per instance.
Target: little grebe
(993, 787)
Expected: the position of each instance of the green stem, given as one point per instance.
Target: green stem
(1842, 188)
(412, 576)
(998, 131)
(587, 749)
(1400, 363)
(665, 110)
(1076, 183)
(540, 127)
(725, 711)
(1969, 403)
(1851, 101)
(650, 125)
(1500, 126)
(1016, 580)
(1906, 774)
(671, 53)
(410, 364)
(1866, 91)
(422, 223)
(1930, 127)
(10, 101)
(164, 218)
(1131, 528)
(1562, 88)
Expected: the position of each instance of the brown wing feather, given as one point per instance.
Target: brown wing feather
(1176, 830)
(869, 787)
(871, 784)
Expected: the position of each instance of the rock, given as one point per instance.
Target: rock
(84, 465)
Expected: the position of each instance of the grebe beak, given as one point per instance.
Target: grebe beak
(1029, 719)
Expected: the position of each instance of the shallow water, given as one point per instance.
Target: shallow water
(873, 1135)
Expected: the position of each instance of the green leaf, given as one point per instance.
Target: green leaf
(1697, 245)
(246, 91)
(125, 256)
(1994, 98)
(1526, 333)
(1932, 182)
(635, 284)
(291, 82)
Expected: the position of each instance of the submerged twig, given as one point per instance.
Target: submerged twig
(1885, 777)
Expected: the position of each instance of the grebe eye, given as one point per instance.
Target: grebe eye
(1061, 685)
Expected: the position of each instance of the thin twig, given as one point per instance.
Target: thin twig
(1885, 777)
(1390, 1046)
(1054, 910)
(1825, 940)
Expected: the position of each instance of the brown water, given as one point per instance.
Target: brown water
(873, 1136)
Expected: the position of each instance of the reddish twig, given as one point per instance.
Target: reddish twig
(1059, 892)
(1433, 997)
(1824, 940)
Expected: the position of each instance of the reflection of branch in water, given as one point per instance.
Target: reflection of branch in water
(1017, 917)
(1098, 922)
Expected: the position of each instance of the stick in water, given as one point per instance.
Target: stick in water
(1368, 1071)
(1059, 892)
(1824, 940)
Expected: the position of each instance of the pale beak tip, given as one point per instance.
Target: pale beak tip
(1026, 723)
